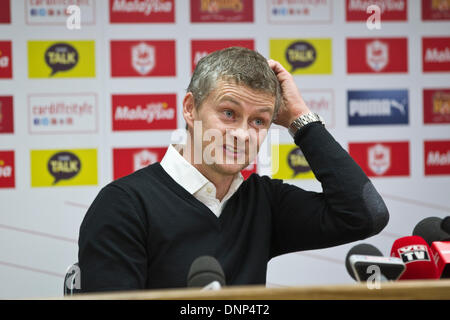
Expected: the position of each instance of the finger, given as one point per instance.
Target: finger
(277, 67)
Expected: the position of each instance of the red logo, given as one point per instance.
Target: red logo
(128, 160)
(143, 58)
(381, 158)
(221, 10)
(141, 11)
(201, 48)
(435, 10)
(436, 106)
(5, 11)
(387, 55)
(251, 168)
(436, 54)
(144, 112)
(7, 174)
(5, 60)
(6, 114)
(391, 10)
(437, 157)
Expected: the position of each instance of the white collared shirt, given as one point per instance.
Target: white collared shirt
(186, 175)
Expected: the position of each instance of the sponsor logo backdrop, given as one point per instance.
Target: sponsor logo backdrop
(82, 107)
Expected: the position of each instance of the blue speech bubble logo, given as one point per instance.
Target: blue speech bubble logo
(300, 54)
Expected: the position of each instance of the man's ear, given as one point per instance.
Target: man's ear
(189, 109)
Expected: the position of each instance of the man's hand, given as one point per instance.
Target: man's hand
(293, 104)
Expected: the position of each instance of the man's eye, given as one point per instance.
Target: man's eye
(259, 122)
(228, 113)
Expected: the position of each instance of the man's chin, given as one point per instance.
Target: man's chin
(229, 169)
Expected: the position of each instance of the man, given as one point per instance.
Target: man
(143, 231)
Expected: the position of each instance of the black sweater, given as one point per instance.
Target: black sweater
(144, 230)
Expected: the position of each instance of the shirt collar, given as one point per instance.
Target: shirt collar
(186, 175)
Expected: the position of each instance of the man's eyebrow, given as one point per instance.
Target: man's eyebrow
(229, 99)
(265, 109)
(234, 101)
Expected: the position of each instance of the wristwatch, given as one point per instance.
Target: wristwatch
(304, 120)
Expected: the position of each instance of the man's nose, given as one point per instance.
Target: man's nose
(240, 134)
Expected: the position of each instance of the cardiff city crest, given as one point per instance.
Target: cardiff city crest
(379, 158)
(143, 159)
(143, 58)
(377, 55)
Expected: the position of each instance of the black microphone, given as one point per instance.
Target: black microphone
(445, 224)
(432, 229)
(363, 256)
(206, 272)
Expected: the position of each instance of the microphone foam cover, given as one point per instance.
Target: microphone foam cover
(203, 271)
(417, 256)
(430, 230)
(445, 225)
(360, 249)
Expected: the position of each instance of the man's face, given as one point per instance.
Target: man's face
(235, 120)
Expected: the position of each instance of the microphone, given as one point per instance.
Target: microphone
(363, 256)
(445, 224)
(430, 230)
(206, 272)
(417, 256)
(433, 230)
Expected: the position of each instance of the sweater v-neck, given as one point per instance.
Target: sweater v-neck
(167, 180)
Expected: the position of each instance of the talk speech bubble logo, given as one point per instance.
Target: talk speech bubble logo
(61, 57)
(300, 54)
(297, 162)
(63, 166)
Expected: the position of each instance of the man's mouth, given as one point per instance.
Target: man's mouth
(232, 151)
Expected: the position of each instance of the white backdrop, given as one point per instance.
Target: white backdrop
(39, 226)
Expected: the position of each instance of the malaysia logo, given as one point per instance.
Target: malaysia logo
(141, 11)
(7, 175)
(436, 54)
(437, 157)
(144, 112)
(377, 55)
(391, 10)
(379, 159)
(143, 58)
